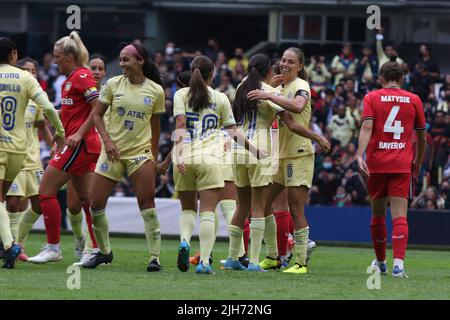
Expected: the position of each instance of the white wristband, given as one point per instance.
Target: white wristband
(379, 37)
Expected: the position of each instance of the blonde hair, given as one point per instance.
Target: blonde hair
(72, 44)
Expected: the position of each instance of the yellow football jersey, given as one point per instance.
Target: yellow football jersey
(203, 136)
(291, 144)
(17, 87)
(257, 126)
(131, 108)
(33, 114)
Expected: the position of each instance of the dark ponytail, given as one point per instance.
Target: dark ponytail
(198, 95)
(301, 60)
(258, 68)
(7, 46)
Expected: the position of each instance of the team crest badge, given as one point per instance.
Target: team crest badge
(147, 101)
(104, 167)
(14, 187)
(68, 85)
(121, 111)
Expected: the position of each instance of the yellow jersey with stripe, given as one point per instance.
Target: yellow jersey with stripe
(17, 87)
(203, 136)
(291, 144)
(33, 114)
(256, 125)
(131, 108)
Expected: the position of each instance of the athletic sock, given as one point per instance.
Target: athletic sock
(257, 226)
(152, 232)
(235, 242)
(76, 221)
(246, 235)
(187, 224)
(87, 213)
(101, 229)
(52, 217)
(283, 224)
(301, 245)
(5, 230)
(399, 237)
(206, 235)
(26, 222)
(379, 236)
(14, 224)
(270, 236)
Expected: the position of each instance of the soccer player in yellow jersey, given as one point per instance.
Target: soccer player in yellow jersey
(130, 145)
(17, 87)
(296, 152)
(84, 246)
(26, 184)
(253, 178)
(198, 155)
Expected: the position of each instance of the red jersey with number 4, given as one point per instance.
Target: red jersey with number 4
(78, 89)
(396, 113)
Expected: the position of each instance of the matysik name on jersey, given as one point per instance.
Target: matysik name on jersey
(391, 145)
(395, 99)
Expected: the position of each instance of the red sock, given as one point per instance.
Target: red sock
(283, 226)
(87, 213)
(399, 237)
(246, 234)
(52, 217)
(379, 236)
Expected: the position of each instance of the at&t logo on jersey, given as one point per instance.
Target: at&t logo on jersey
(32, 109)
(213, 106)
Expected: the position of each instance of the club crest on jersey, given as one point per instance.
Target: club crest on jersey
(68, 85)
(104, 167)
(213, 106)
(147, 101)
(129, 125)
(121, 111)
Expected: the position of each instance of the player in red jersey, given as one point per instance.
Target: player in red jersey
(389, 119)
(77, 159)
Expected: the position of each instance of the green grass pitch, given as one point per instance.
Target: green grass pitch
(334, 273)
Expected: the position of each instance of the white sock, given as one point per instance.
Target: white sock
(54, 247)
(398, 263)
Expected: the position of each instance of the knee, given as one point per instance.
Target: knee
(12, 205)
(146, 203)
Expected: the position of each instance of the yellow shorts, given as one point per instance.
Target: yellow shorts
(253, 175)
(26, 183)
(114, 170)
(295, 172)
(10, 165)
(228, 172)
(198, 177)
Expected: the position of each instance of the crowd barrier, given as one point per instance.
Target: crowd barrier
(326, 223)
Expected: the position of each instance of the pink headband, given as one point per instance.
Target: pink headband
(132, 49)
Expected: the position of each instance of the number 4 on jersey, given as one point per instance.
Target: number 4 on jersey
(392, 125)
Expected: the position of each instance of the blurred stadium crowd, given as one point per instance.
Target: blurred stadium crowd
(338, 86)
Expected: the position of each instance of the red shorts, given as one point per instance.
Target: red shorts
(75, 161)
(383, 185)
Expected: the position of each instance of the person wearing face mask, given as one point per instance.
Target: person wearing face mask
(342, 126)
